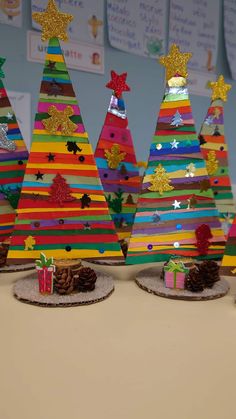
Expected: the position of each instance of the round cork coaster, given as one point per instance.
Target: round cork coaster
(17, 268)
(26, 290)
(150, 281)
(107, 262)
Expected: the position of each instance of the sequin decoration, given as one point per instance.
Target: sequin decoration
(53, 22)
(150, 246)
(60, 119)
(159, 146)
(176, 245)
(175, 62)
(6, 144)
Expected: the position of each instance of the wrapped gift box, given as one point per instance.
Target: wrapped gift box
(175, 274)
(45, 279)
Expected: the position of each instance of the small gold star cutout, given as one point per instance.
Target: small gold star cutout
(220, 89)
(175, 62)
(53, 22)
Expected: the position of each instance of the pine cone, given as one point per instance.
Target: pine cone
(63, 281)
(124, 247)
(193, 281)
(209, 271)
(85, 280)
(3, 253)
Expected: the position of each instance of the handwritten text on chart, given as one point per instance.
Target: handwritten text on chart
(137, 27)
(194, 27)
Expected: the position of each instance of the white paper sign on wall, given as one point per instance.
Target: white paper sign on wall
(78, 55)
(21, 104)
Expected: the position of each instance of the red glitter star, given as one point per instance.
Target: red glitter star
(118, 83)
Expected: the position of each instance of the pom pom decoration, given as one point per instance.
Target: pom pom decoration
(203, 234)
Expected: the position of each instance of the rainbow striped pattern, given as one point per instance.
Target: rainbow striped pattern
(125, 178)
(212, 139)
(12, 165)
(228, 266)
(67, 231)
(161, 229)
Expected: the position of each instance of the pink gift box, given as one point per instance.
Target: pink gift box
(45, 279)
(175, 280)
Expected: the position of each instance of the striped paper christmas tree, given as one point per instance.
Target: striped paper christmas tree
(176, 213)
(228, 266)
(13, 157)
(62, 209)
(214, 150)
(116, 161)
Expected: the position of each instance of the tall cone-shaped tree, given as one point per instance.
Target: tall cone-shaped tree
(13, 157)
(116, 160)
(176, 213)
(214, 149)
(62, 209)
(228, 266)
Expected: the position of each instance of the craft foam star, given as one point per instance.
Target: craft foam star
(87, 226)
(9, 115)
(53, 22)
(2, 61)
(39, 175)
(175, 62)
(220, 89)
(176, 204)
(174, 144)
(51, 157)
(118, 83)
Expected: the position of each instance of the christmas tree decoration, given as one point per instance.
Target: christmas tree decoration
(175, 185)
(13, 157)
(214, 149)
(160, 182)
(59, 197)
(116, 161)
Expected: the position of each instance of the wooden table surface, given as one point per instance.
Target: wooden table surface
(132, 356)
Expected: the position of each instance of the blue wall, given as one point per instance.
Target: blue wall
(145, 77)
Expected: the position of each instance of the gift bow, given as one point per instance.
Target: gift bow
(175, 267)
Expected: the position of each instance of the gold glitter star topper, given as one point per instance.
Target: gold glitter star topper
(220, 89)
(175, 62)
(54, 23)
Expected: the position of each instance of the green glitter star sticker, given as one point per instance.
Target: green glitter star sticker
(2, 61)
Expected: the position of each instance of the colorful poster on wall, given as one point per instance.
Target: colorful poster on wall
(230, 34)
(88, 23)
(21, 104)
(11, 12)
(194, 26)
(138, 27)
